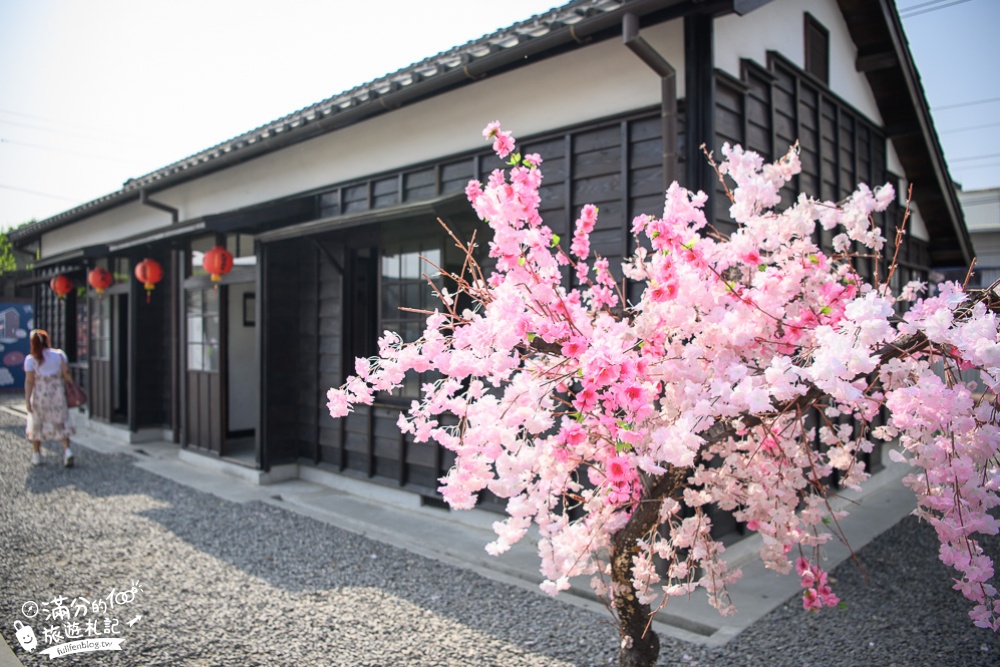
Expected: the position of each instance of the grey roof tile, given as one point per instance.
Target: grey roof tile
(423, 72)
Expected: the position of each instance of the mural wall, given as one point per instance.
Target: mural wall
(16, 320)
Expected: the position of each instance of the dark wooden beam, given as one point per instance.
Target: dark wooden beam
(876, 61)
(903, 129)
(699, 83)
(742, 7)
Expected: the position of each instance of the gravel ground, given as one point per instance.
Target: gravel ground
(221, 583)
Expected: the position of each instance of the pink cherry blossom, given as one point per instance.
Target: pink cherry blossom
(580, 407)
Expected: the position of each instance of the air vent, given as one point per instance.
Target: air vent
(817, 40)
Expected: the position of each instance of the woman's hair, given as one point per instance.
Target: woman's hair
(39, 341)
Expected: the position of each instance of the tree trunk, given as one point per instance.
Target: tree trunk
(641, 646)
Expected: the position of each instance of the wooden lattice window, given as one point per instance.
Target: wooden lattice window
(817, 43)
(203, 334)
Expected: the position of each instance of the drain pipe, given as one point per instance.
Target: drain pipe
(146, 201)
(668, 83)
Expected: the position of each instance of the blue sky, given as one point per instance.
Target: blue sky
(957, 52)
(93, 93)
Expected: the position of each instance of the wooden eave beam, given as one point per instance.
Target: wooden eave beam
(907, 128)
(743, 7)
(875, 29)
(876, 61)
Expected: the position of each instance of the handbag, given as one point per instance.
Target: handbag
(75, 396)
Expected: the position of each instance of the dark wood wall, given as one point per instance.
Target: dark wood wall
(316, 287)
(286, 365)
(771, 107)
(58, 317)
(204, 418)
(154, 346)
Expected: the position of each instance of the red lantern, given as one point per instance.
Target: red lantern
(61, 285)
(100, 279)
(149, 272)
(218, 262)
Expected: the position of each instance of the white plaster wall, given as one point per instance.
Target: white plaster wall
(778, 26)
(601, 80)
(242, 364)
(114, 224)
(916, 225)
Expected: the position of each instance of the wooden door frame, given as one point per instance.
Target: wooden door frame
(191, 284)
(242, 275)
(129, 291)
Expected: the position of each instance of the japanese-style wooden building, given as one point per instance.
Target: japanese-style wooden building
(328, 210)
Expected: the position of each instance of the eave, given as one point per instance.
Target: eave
(567, 27)
(885, 60)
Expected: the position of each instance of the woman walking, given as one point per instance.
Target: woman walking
(46, 373)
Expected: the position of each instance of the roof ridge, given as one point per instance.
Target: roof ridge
(346, 98)
(562, 16)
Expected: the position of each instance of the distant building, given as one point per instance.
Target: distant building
(982, 217)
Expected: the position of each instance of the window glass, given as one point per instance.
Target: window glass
(100, 328)
(203, 329)
(195, 361)
(121, 269)
(411, 265)
(403, 285)
(241, 246)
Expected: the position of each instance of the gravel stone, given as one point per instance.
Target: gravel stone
(228, 584)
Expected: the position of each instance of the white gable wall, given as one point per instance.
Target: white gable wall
(779, 26)
(915, 225)
(602, 80)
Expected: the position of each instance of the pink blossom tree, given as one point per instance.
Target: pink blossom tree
(613, 427)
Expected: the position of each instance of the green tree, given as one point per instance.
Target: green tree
(8, 262)
(10, 259)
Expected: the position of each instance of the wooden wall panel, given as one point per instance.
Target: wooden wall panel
(311, 285)
(282, 350)
(617, 166)
(204, 419)
(100, 389)
(155, 355)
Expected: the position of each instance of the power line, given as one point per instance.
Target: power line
(921, 5)
(967, 104)
(969, 127)
(40, 194)
(66, 133)
(44, 119)
(972, 169)
(974, 157)
(62, 127)
(25, 144)
(905, 14)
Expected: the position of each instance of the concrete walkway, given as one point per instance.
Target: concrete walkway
(458, 538)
